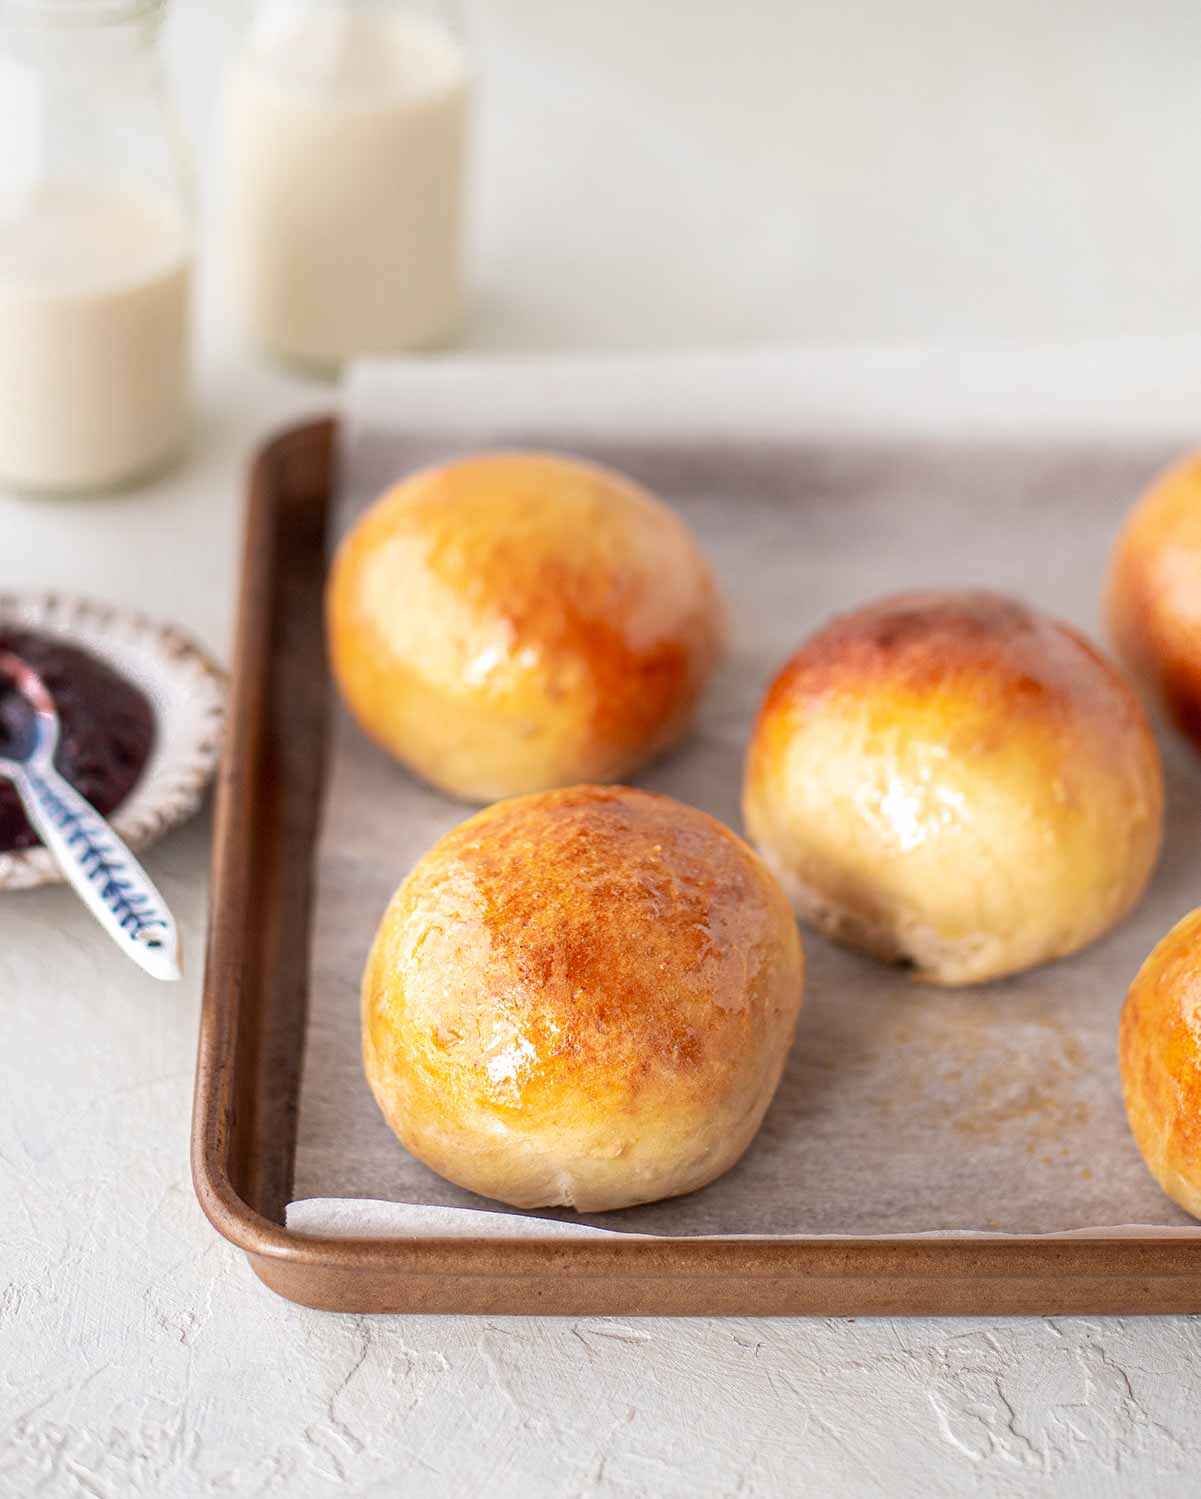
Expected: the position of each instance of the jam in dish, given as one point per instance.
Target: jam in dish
(106, 727)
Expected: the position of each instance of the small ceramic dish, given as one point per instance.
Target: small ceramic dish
(186, 690)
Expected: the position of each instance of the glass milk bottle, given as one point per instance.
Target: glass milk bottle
(345, 130)
(95, 247)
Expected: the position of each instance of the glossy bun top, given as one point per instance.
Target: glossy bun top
(583, 997)
(955, 780)
(518, 621)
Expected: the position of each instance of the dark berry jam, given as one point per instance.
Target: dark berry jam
(106, 727)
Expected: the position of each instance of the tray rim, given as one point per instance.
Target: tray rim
(956, 1275)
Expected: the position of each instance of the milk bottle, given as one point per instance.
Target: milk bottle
(345, 130)
(95, 248)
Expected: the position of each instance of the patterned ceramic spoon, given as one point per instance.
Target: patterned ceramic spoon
(106, 876)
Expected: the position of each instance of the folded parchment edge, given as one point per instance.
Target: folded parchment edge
(373, 1218)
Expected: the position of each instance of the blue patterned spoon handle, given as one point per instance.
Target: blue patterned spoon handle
(106, 876)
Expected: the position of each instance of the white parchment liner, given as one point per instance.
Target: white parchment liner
(815, 483)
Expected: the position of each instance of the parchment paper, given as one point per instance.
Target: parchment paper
(904, 1109)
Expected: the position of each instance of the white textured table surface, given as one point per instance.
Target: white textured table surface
(791, 177)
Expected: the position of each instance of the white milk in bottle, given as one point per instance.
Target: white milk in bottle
(93, 335)
(95, 247)
(345, 133)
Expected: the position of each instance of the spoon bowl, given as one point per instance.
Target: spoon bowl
(102, 871)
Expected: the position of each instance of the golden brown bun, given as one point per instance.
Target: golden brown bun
(954, 780)
(582, 998)
(1160, 1056)
(519, 621)
(1154, 598)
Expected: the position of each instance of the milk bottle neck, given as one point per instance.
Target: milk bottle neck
(274, 18)
(83, 99)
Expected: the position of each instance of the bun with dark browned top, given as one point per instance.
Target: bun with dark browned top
(582, 998)
(956, 781)
(518, 621)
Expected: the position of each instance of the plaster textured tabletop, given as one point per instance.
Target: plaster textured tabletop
(912, 173)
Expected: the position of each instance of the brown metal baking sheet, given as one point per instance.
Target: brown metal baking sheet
(254, 1025)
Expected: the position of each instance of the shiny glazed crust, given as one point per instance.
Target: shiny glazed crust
(1160, 1058)
(1154, 596)
(582, 998)
(953, 780)
(519, 621)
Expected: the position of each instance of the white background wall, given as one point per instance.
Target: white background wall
(687, 171)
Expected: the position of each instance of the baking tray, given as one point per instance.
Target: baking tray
(253, 1026)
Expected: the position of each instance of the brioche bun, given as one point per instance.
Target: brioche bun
(519, 621)
(1159, 1053)
(1154, 594)
(582, 998)
(955, 781)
